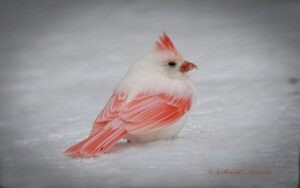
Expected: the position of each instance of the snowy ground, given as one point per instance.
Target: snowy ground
(60, 61)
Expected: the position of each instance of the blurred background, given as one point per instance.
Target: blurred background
(60, 60)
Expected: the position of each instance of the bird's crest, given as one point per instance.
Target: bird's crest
(164, 44)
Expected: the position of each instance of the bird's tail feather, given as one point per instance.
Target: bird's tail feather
(97, 143)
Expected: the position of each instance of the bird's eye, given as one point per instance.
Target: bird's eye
(172, 64)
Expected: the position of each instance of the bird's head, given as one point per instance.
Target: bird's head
(166, 59)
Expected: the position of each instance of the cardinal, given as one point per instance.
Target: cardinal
(150, 103)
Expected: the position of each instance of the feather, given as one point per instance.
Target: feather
(165, 44)
(151, 102)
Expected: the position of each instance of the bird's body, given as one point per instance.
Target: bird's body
(168, 132)
(150, 103)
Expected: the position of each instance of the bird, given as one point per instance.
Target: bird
(150, 103)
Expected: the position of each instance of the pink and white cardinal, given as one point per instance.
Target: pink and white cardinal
(150, 103)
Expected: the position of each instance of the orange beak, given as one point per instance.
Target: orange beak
(187, 66)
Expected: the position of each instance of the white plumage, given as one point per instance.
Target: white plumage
(151, 102)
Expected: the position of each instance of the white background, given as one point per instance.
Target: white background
(60, 61)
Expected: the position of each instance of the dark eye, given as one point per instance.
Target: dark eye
(172, 64)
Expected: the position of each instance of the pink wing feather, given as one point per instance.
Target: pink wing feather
(151, 112)
(110, 111)
(144, 113)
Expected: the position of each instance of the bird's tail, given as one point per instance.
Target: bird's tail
(97, 143)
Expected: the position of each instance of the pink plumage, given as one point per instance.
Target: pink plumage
(165, 44)
(150, 103)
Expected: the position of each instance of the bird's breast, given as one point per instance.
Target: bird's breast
(136, 84)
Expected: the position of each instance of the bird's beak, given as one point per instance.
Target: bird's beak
(187, 66)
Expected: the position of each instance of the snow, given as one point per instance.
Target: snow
(60, 61)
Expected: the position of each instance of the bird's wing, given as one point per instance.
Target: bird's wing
(151, 112)
(142, 114)
(109, 112)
